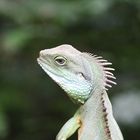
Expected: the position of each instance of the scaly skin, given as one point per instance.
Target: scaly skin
(85, 80)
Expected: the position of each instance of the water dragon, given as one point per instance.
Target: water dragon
(85, 78)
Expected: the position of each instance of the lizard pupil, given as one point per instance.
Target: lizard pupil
(60, 60)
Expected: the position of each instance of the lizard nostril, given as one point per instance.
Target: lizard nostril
(42, 53)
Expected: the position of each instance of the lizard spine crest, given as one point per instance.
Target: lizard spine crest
(103, 64)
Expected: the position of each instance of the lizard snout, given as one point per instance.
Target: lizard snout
(42, 53)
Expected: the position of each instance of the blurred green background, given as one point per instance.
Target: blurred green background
(32, 106)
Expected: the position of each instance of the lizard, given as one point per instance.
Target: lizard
(85, 78)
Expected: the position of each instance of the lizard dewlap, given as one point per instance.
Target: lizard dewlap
(85, 78)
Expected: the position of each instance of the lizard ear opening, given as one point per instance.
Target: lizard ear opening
(81, 76)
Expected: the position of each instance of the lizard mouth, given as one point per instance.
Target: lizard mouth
(46, 67)
(41, 60)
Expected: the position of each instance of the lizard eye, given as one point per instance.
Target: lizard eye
(60, 60)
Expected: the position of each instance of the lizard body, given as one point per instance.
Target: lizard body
(85, 79)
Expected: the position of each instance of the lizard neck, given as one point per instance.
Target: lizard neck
(96, 115)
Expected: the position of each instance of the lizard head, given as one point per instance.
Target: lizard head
(64, 64)
(73, 71)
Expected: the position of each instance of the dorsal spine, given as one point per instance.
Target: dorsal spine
(105, 118)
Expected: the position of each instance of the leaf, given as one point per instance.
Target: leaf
(14, 40)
